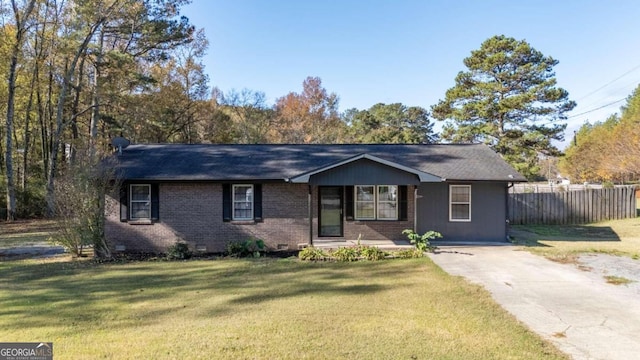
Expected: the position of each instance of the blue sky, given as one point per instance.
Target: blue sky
(410, 51)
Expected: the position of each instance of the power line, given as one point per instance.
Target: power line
(610, 82)
(598, 108)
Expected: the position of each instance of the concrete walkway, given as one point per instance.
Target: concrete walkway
(581, 314)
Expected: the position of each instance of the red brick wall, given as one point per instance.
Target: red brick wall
(193, 213)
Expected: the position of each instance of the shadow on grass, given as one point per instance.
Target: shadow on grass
(81, 294)
(531, 235)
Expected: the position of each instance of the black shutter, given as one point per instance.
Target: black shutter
(403, 203)
(348, 203)
(155, 201)
(226, 202)
(124, 202)
(257, 202)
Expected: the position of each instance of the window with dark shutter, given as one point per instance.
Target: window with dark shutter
(376, 202)
(241, 202)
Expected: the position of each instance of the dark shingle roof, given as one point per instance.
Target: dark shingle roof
(278, 162)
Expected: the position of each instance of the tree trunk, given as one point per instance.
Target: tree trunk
(11, 193)
(60, 123)
(73, 148)
(27, 134)
(11, 84)
(95, 100)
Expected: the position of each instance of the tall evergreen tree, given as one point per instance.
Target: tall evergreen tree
(508, 99)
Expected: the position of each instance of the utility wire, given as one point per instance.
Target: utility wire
(609, 83)
(598, 108)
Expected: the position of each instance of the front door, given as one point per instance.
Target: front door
(330, 220)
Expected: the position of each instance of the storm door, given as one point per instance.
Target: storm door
(330, 220)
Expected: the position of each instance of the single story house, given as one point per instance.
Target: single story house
(294, 195)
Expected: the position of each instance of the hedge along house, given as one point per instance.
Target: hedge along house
(295, 195)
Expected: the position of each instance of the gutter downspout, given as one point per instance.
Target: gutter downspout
(506, 209)
(310, 217)
(415, 209)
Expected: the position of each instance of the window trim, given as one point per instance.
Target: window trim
(233, 202)
(356, 201)
(376, 202)
(395, 217)
(131, 201)
(451, 202)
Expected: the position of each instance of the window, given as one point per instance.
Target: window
(140, 201)
(460, 203)
(387, 202)
(365, 202)
(242, 202)
(376, 202)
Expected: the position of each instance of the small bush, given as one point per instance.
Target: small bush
(313, 254)
(179, 251)
(422, 242)
(250, 247)
(409, 254)
(346, 254)
(372, 253)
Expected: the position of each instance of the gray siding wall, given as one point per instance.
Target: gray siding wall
(364, 172)
(488, 212)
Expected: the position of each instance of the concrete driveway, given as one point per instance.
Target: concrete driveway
(580, 313)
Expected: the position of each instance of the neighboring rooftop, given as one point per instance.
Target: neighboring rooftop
(180, 162)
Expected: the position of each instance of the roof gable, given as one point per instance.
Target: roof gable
(423, 176)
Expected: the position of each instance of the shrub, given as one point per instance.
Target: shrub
(313, 254)
(250, 247)
(422, 242)
(179, 251)
(409, 254)
(372, 253)
(347, 253)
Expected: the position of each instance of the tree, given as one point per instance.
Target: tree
(392, 123)
(507, 99)
(21, 17)
(608, 150)
(249, 113)
(139, 30)
(308, 117)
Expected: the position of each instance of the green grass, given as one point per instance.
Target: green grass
(257, 309)
(617, 237)
(26, 232)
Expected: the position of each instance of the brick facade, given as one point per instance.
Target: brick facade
(192, 212)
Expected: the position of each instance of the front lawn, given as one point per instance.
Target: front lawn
(257, 309)
(26, 232)
(618, 237)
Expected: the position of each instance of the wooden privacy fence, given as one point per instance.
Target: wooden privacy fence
(572, 207)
